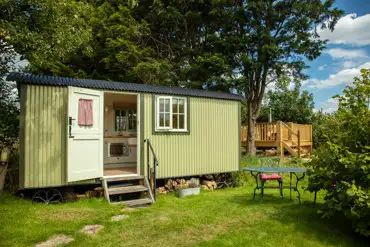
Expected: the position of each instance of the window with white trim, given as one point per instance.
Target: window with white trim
(171, 113)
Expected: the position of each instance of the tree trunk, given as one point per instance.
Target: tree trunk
(251, 149)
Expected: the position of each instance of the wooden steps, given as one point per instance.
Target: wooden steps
(127, 189)
(123, 178)
(138, 202)
(292, 148)
(122, 190)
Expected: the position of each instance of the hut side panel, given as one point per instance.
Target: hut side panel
(212, 145)
(43, 136)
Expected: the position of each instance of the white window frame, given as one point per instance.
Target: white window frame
(170, 129)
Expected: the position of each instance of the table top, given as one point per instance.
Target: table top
(274, 169)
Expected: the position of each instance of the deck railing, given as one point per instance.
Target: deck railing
(265, 132)
(305, 131)
(270, 132)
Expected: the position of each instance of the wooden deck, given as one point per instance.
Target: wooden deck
(295, 138)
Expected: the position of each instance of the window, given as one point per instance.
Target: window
(171, 114)
(131, 114)
(125, 120)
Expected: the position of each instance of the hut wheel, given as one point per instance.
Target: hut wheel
(224, 180)
(50, 196)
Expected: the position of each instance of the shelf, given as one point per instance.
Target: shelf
(120, 137)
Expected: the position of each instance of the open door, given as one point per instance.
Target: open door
(85, 134)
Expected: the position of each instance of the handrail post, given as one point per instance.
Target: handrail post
(152, 175)
(154, 178)
(279, 138)
(299, 142)
(151, 171)
(147, 159)
(290, 132)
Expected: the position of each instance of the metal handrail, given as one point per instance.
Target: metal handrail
(152, 175)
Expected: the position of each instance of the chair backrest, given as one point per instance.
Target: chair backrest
(272, 162)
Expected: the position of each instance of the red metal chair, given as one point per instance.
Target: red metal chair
(272, 162)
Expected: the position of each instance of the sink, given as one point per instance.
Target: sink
(132, 141)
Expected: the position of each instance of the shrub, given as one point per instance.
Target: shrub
(12, 174)
(342, 165)
(241, 177)
(324, 125)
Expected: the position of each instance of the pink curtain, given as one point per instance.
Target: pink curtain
(85, 112)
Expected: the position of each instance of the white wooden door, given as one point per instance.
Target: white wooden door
(85, 141)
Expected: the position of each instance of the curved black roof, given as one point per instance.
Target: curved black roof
(26, 78)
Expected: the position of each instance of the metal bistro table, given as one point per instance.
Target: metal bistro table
(256, 172)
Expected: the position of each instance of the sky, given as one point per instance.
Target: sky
(348, 50)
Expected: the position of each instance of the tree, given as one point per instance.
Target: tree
(46, 32)
(341, 166)
(184, 33)
(263, 40)
(90, 39)
(288, 106)
(9, 120)
(119, 51)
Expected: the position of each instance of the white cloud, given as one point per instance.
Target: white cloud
(350, 29)
(349, 64)
(338, 53)
(322, 67)
(343, 77)
(330, 105)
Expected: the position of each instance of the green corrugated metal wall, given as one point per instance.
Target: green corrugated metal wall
(43, 124)
(212, 146)
(43, 151)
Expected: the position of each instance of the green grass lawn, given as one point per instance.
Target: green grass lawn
(225, 217)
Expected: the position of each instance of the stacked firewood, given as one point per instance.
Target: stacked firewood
(271, 152)
(209, 184)
(206, 183)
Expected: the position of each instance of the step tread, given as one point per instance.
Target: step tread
(127, 178)
(126, 189)
(138, 202)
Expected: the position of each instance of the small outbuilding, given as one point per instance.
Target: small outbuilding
(78, 131)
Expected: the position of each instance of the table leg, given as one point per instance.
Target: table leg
(257, 187)
(296, 185)
(290, 187)
(281, 189)
(262, 189)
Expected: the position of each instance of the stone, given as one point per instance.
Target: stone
(55, 240)
(91, 229)
(127, 209)
(119, 217)
(164, 218)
